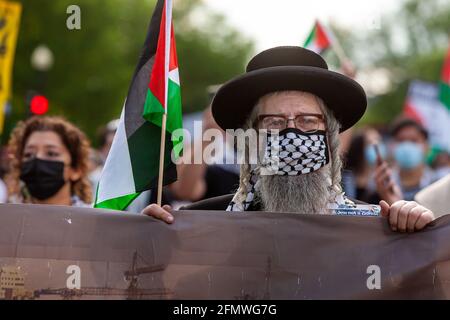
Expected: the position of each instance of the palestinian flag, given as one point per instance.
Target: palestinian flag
(132, 165)
(423, 105)
(319, 39)
(444, 84)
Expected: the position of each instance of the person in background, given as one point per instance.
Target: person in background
(410, 174)
(95, 169)
(105, 138)
(48, 163)
(360, 162)
(201, 181)
(98, 157)
(441, 164)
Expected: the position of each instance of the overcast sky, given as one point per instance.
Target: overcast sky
(288, 22)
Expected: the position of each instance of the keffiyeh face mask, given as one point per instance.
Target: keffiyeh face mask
(293, 152)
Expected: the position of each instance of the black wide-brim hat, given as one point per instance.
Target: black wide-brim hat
(282, 69)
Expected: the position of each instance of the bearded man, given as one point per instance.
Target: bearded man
(291, 90)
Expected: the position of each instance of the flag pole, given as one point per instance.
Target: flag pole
(339, 51)
(168, 17)
(337, 47)
(161, 158)
(342, 57)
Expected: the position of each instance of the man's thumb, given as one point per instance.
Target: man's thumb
(384, 208)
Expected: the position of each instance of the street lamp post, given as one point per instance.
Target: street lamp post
(42, 61)
(42, 58)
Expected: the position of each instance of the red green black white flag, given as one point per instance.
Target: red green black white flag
(132, 165)
(319, 39)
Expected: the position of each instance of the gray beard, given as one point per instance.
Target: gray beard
(305, 193)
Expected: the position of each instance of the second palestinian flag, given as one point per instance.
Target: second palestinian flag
(319, 39)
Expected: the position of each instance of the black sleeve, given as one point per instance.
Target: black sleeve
(216, 203)
(220, 182)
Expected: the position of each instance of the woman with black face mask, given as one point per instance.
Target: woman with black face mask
(49, 163)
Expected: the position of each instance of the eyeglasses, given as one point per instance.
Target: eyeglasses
(307, 122)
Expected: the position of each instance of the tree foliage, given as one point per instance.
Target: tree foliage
(93, 66)
(410, 43)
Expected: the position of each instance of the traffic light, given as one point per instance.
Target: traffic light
(39, 105)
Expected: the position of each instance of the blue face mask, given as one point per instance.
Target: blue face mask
(408, 155)
(371, 155)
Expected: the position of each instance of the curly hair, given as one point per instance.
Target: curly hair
(72, 137)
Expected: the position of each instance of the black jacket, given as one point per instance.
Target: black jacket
(217, 203)
(221, 203)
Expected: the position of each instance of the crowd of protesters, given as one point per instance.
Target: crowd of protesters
(399, 169)
(48, 160)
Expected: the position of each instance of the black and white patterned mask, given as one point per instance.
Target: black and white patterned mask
(293, 152)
